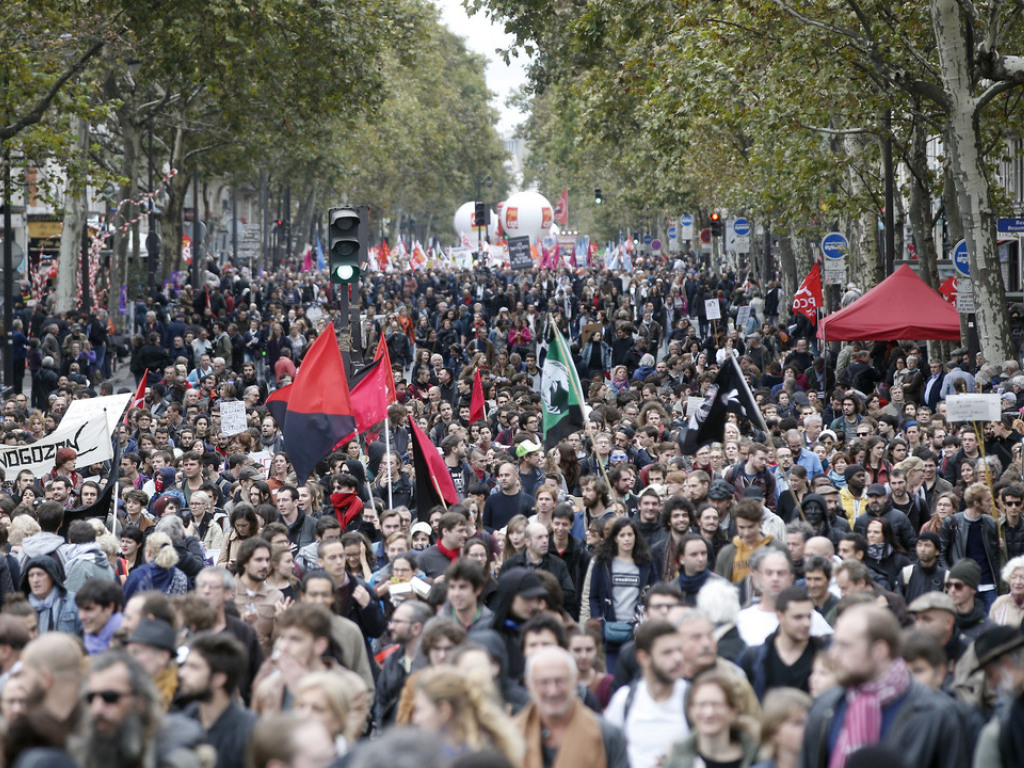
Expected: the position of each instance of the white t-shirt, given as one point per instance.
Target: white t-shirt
(651, 726)
(755, 625)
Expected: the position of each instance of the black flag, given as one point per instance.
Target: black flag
(728, 393)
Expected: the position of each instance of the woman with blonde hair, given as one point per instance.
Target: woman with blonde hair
(340, 700)
(463, 711)
(159, 571)
(782, 727)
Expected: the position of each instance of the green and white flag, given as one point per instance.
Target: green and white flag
(560, 392)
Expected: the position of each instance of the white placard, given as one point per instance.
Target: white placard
(90, 408)
(693, 404)
(712, 309)
(232, 417)
(973, 407)
(742, 316)
(263, 458)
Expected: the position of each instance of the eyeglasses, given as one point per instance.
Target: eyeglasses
(1009, 503)
(863, 434)
(956, 586)
(109, 697)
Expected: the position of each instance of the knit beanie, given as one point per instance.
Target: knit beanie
(967, 571)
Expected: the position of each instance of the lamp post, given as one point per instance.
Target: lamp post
(481, 227)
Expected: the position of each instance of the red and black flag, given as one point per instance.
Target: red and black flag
(434, 483)
(314, 412)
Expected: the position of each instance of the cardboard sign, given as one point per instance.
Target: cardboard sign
(519, 254)
(973, 407)
(713, 309)
(232, 418)
(742, 316)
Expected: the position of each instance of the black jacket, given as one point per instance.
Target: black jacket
(926, 731)
(557, 568)
(954, 541)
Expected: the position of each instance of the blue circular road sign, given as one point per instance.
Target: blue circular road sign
(741, 227)
(647, 239)
(686, 220)
(835, 245)
(961, 262)
(671, 233)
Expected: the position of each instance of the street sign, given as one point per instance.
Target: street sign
(741, 227)
(964, 296)
(834, 272)
(648, 239)
(686, 227)
(1016, 226)
(835, 245)
(671, 233)
(705, 235)
(961, 262)
(656, 245)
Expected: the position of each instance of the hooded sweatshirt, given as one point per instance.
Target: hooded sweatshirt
(57, 611)
(48, 544)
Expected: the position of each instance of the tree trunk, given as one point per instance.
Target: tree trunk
(963, 139)
(172, 221)
(75, 211)
(130, 160)
(919, 207)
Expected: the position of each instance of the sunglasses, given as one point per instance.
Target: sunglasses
(109, 697)
(956, 586)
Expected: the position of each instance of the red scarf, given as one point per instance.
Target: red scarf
(346, 507)
(862, 725)
(451, 554)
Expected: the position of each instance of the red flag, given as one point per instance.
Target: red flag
(562, 208)
(385, 353)
(433, 480)
(808, 298)
(314, 412)
(369, 394)
(384, 256)
(139, 400)
(477, 404)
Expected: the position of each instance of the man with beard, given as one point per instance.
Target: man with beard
(852, 496)
(676, 517)
(209, 679)
(876, 695)
(255, 600)
(508, 502)
(216, 586)
(649, 710)
(406, 626)
(127, 725)
(595, 494)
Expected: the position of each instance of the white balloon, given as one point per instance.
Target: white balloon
(528, 214)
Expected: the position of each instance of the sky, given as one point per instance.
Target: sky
(483, 36)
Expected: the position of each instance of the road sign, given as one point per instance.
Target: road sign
(964, 296)
(656, 245)
(705, 235)
(741, 227)
(686, 227)
(961, 262)
(835, 245)
(835, 272)
(671, 233)
(648, 239)
(1015, 226)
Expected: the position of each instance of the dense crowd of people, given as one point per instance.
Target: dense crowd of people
(839, 582)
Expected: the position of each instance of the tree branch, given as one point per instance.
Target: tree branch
(994, 90)
(35, 114)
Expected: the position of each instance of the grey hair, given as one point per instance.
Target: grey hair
(719, 601)
(202, 497)
(172, 526)
(402, 748)
(551, 651)
(1013, 564)
(760, 554)
(222, 573)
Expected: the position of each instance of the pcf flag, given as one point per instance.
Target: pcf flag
(560, 392)
(808, 297)
(314, 412)
(728, 393)
(562, 209)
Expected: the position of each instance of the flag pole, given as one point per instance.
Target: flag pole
(387, 452)
(764, 428)
(437, 487)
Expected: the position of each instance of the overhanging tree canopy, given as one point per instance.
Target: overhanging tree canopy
(902, 306)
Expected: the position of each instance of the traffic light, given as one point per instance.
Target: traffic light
(598, 197)
(347, 229)
(481, 215)
(717, 225)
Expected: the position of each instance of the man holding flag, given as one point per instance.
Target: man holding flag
(560, 392)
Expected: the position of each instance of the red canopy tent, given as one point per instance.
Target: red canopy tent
(902, 306)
